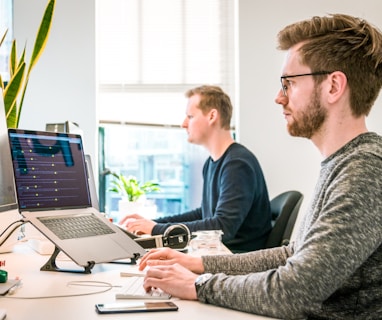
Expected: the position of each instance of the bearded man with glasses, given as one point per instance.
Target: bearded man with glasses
(330, 80)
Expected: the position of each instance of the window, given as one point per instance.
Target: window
(149, 53)
(6, 17)
(154, 153)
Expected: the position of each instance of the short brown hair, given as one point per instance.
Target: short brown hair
(213, 97)
(344, 43)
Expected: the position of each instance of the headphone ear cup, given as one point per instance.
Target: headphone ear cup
(178, 236)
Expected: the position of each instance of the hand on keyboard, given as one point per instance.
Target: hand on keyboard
(133, 289)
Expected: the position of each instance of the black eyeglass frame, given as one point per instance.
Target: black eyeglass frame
(317, 73)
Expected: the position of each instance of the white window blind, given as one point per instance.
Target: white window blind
(6, 17)
(149, 52)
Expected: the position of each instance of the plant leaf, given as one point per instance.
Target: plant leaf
(3, 38)
(17, 68)
(13, 59)
(10, 97)
(131, 187)
(14, 64)
(42, 35)
(39, 45)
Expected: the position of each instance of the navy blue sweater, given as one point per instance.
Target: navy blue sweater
(235, 200)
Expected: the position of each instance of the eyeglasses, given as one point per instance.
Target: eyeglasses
(284, 86)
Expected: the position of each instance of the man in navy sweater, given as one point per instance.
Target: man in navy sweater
(235, 196)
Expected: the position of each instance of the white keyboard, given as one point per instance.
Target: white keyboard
(133, 289)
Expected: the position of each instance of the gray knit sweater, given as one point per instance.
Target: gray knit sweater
(333, 270)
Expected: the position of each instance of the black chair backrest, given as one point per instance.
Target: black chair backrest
(284, 209)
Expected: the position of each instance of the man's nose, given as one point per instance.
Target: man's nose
(281, 98)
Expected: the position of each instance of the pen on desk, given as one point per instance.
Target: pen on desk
(17, 285)
(131, 274)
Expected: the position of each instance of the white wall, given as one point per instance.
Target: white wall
(288, 162)
(62, 86)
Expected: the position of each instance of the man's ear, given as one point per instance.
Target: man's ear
(213, 115)
(338, 85)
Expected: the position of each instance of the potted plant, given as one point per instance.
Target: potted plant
(20, 73)
(130, 188)
(132, 192)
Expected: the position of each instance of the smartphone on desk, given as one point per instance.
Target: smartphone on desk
(135, 306)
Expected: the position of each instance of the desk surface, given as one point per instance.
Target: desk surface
(38, 298)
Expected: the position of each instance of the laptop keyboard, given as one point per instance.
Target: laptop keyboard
(133, 289)
(76, 226)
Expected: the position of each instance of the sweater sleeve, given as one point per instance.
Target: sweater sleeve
(342, 230)
(164, 222)
(255, 261)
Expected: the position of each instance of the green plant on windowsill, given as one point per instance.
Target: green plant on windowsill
(130, 188)
(20, 73)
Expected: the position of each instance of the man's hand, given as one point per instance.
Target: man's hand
(167, 257)
(137, 224)
(173, 279)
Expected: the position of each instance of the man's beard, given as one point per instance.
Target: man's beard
(307, 122)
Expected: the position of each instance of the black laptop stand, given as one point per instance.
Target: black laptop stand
(50, 265)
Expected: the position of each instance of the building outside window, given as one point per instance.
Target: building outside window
(155, 153)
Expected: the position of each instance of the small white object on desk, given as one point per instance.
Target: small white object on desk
(3, 314)
(132, 274)
(207, 242)
(41, 246)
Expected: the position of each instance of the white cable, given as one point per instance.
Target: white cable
(106, 285)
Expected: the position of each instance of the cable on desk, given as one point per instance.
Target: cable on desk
(87, 283)
(19, 223)
(101, 284)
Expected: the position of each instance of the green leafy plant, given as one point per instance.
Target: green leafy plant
(20, 72)
(130, 187)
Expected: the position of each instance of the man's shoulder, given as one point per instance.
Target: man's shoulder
(371, 143)
(367, 146)
(236, 150)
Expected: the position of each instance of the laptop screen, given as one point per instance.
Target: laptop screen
(49, 170)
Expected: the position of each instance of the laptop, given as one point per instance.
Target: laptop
(91, 182)
(8, 204)
(52, 187)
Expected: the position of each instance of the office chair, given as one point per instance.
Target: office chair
(284, 208)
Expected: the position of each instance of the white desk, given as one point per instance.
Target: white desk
(25, 263)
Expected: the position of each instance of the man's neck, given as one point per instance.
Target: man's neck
(331, 138)
(219, 144)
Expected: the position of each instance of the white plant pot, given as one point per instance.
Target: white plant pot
(125, 207)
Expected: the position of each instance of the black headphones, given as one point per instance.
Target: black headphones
(176, 236)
